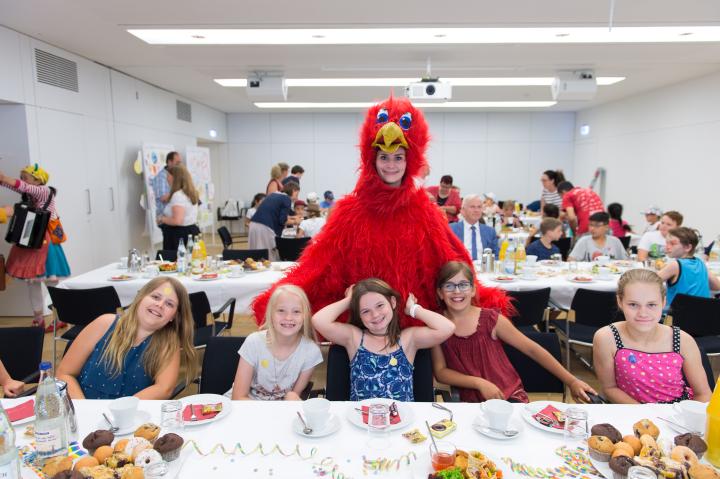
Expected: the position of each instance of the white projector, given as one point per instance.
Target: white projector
(266, 89)
(429, 90)
(577, 85)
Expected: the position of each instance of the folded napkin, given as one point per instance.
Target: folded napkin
(187, 412)
(393, 419)
(21, 411)
(548, 417)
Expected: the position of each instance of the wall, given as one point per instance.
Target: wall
(658, 148)
(500, 152)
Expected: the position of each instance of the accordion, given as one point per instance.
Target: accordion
(28, 225)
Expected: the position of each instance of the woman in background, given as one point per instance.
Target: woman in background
(180, 214)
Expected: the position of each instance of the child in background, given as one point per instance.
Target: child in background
(381, 361)
(652, 243)
(598, 242)
(509, 218)
(473, 359)
(618, 226)
(277, 362)
(629, 355)
(257, 199)
(686, 273)
(548, 211)
(550, 230)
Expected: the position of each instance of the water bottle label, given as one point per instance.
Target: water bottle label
(48, 442)
(11, 470)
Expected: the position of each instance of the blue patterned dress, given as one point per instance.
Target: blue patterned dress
(96, 380)
(375, 375)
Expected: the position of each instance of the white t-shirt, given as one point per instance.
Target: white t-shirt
(312, 226)
(272, 378)
(586, 250)
(250, 213)
(467, 239)
(654, 243)
(179, 198)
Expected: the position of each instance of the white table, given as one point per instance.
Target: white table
(531, 220)
(269, 423)
(244, 289)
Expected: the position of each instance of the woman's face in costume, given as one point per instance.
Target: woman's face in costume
(391, 166)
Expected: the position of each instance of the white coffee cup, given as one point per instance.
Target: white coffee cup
(529, 272)
(693, 414)
(152, 270)
(317, 412)
(123, 262)
(530, 259)
(604, 272)
(236, 270)
(497, 412)
(603, 260)
(123, 411)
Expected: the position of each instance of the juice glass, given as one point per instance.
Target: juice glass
(443, 457)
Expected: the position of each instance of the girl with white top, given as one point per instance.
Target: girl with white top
(312, 225)
(179, 217)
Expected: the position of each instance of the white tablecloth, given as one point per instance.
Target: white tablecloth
(269, 423)
(244, 289)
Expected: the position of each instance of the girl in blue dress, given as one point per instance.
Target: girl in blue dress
(381, 356)
(136, 353)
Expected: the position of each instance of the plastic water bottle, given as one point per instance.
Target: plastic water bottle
(9, 459)
(509, 262)
(50, 417)
(181, 253)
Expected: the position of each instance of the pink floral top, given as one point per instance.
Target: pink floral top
(651, 377)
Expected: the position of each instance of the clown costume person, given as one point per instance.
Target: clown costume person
(47, 263)
(387, 227)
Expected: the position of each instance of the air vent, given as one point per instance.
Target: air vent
(56, 71)
(184, 111)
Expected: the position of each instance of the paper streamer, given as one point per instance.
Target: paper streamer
(577, 466)
(383, 464)
(328, 468)
(238, 449)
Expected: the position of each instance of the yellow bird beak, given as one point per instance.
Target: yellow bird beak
(390, 138)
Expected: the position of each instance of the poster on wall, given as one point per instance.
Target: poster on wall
(153, 161)
(197, 160)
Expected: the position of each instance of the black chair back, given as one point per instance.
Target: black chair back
(695, 315)
(21, 351)
(225, 237)
(536, 378)
(625, 240)
(290, 249)
(220, 364)
(338, 375)
(707, 367)
(200, 306)
(243, 254)
(563, 245)
(530, 306)
(166, 255)
(80, 307)
(594, 308)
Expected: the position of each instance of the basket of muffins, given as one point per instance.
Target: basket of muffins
(127, 458)
(679, 460)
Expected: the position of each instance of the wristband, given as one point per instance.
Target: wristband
(413, 309)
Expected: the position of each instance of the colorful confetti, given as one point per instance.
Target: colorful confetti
(577, 466)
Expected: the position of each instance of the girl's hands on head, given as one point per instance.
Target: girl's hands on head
(411, 301)
(349, 290)
(578, 389)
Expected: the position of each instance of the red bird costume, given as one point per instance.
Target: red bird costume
(380, 231)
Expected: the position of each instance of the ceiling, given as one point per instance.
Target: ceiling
(97, 30)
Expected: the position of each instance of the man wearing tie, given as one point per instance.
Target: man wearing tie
(475, 236)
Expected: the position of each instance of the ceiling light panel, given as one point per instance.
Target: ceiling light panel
(390, 82)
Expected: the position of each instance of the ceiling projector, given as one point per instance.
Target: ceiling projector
(574, 85)
(428, 90)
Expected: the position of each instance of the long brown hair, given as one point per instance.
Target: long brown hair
(450, 269)
(182, 181)
(177, 335)
(375, 285)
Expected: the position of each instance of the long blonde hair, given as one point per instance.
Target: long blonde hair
(275, 172)
(639, 276)
(182, 181)
(164, 343)
(307, 329)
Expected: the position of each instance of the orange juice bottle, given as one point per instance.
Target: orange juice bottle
(712, 433)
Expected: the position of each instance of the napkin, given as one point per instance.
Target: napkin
(547, 417)
(21, 411)
(393, 419)
(187, 412)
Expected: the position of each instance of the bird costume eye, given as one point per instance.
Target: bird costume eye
(382, 116)
(405, 121)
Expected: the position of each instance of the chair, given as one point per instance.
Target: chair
(591, 310)
(21, 352)
(290, 249)
(225, 237)
(532, 308)
(219, 364)
(337, 386)
(563, 245)
(707, 366)
(79, 307)
(206, 324)
(166, 255)
(243, 254)
(536, 378)
(625, 240)
(700, 318)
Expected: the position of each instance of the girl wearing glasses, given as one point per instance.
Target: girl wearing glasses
(473, 359)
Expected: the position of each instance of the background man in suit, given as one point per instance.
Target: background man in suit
(475, 236)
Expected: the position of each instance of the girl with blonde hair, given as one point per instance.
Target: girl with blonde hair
(276, 363)
(179, 218)
(138, 352)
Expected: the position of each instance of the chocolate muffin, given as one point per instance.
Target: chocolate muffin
(620, 466)
(692, 441)
(169, 446)
(98, 438)
(68, 475)
(607, 430)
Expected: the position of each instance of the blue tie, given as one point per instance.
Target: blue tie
(473, 247)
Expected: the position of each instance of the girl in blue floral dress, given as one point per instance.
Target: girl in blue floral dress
(381, 356)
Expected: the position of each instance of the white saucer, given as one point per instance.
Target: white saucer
(515, 422)
(331, 426)
(141, 417)
(525, 278)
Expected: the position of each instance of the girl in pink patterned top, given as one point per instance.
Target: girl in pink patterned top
(640, 360)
